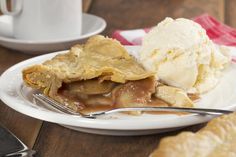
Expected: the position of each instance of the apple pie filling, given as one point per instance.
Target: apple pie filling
(94, 92)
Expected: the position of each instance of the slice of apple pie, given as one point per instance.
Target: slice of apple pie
(100, 72)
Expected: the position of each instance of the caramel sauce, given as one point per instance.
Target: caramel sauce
(155, 102)
(166, 112)
(101, 102)
(96, 108)
(194, 97)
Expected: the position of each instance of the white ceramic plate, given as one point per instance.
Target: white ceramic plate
(19, 97)
(91, 25)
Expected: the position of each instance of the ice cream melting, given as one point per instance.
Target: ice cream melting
(182, 55)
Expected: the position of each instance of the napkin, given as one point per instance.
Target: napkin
(218, 32)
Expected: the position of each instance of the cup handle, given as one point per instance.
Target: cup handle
(16, 10)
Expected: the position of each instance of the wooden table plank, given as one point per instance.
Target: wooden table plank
(24, 127)
(55, 140)
(69, 143)
(10, 57)
(86, 5)
(123, 14)
(230, 13)
(72, 143)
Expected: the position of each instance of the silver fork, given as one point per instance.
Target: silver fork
(64, 109)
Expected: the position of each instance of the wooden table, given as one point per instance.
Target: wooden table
(52, 140)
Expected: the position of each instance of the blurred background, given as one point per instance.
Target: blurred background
(131, 14)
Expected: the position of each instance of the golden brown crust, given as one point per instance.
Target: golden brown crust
(216, 139)
(40, 77)
(98, 57)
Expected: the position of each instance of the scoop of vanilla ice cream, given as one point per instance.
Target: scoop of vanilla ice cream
(182, 55)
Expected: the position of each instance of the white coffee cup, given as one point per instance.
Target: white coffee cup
(45, 19)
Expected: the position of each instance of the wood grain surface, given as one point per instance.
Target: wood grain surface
(52, 140)
(131, 14)
(24, 127)
(230, 12)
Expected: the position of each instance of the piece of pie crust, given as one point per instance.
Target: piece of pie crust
(93, 66)
(216, 139)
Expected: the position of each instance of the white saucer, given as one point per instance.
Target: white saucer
(91, 25)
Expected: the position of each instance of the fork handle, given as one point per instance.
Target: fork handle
(202, 111)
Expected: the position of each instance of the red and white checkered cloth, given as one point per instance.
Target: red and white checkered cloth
(220, 33)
